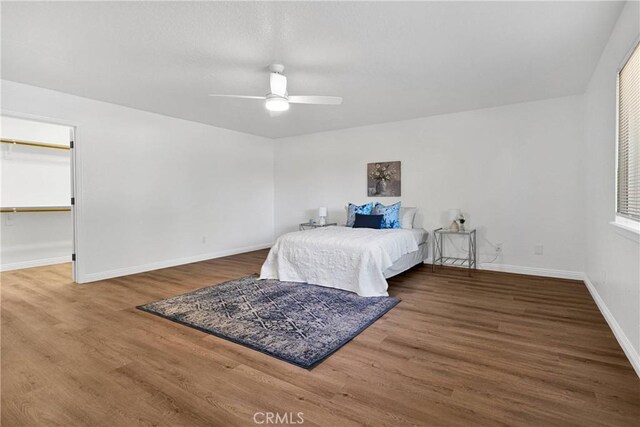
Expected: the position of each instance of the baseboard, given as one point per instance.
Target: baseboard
(93, 277)
(533, 271)
(35, 263)
(530, 271)
(624, 342)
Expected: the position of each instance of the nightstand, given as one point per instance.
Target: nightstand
(310, 226)
(471, 261)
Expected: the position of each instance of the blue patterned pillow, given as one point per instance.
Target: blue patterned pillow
(391, 214)
(352, 210)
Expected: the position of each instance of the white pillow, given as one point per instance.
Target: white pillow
(407, 215)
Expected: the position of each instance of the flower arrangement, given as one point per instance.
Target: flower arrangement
(461, 220)
(383, 172)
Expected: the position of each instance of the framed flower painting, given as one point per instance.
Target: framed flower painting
(383, 179)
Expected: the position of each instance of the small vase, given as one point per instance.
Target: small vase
(381, 186)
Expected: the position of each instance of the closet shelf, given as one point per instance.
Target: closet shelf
(37, 209)
(34, 144)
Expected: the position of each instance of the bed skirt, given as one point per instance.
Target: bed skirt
(407, 261)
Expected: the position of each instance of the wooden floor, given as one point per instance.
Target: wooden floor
(493, 349)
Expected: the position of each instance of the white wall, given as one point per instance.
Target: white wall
(515, 171)
(34, 176)
(156, 191)
(34, 239)
(613, 257)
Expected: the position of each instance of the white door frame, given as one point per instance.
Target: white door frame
(76, 210)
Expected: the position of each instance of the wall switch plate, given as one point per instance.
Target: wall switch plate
(538, 249)
(204, 240)
(8, 220)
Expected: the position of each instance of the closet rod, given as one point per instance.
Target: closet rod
(37, 209)
(34, 144)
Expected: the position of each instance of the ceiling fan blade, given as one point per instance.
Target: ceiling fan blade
(321, 100)
(239, 96)
(278, 84)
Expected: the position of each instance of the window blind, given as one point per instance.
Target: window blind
(628, 197)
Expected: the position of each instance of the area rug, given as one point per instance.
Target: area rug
(299, 323)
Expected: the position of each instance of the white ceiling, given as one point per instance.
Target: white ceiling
(390, 61)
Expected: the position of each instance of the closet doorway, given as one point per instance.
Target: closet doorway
(37, 194)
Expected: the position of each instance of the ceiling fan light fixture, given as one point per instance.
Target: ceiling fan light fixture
(277, 104)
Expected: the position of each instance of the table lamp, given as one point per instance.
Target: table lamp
(322, 213)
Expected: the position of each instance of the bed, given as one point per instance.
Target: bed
(354, 259)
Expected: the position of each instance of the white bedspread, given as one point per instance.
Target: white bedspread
(352, 259)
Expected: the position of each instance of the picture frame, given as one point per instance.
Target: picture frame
(384, 179)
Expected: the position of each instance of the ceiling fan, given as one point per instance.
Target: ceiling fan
(278, 99)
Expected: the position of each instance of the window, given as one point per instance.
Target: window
(628, 183)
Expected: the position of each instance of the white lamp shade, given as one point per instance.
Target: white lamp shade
(454, 214)
(322, 212)
(277, 104)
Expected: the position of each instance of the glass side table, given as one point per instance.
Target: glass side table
(439, 258)
(310, 226)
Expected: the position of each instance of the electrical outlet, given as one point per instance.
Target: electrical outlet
(499, 248)
(538, 249)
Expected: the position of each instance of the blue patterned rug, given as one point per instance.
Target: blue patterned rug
(295, 322)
